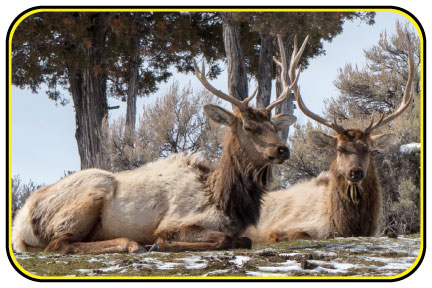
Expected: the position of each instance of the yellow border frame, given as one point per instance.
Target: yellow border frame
(322, 9)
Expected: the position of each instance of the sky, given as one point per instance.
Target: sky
(43, 133)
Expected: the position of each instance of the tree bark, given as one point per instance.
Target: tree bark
(237, 77)
(132, 95)
(265, 71)
(286, 107)
(88, 89)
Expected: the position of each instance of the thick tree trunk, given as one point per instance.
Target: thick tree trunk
(88, 89)
(265, 71)
(286, 107)
(237, 77)
(89, 96)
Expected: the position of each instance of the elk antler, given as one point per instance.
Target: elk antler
(241, 105)
(406, 99)
(295, 88)
(295, 58)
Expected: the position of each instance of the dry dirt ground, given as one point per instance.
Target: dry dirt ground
(359, 257)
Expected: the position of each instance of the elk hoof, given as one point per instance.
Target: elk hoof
(242, 242)
(134, 247)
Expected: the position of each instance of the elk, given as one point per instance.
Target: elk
(179, 203)
(344, 201)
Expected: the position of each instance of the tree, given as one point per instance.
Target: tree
(264, 26)
(174, 123)
(379, 85)
(96, 55)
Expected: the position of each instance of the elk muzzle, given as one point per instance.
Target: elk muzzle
(356, 175)
(277, 154)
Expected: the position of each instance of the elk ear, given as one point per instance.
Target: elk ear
(283, 121)
(321, 140)
(383, 141)
(219, 115)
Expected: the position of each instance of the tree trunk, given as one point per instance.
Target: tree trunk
(286, 107)
(237, 77)
(265, 71)
(132, 96)
(88, 89)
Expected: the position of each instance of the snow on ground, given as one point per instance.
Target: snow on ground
(407, 148)
(356, 256)
(240, 261)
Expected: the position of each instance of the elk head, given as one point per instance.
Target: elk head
(353, 146)
(254, 128)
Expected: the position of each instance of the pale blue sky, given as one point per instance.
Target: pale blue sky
(43, 134)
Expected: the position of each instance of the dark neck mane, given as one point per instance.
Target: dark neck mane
(355, 219)
(236, 187)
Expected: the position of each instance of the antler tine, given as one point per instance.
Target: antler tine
(407, 97)
(295, 58)
(338, 128)
(248, 99)
(283, 64)
(242, 105)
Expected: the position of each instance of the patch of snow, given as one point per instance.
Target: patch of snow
(289, 254)
(325, 253)
(92, 260)
(240, 261)
(407, 148)
(92, 272)
(287, 266)
(193, 262)
(261, 274)
(215, 272)
(280, 268)
(167, 265)
(396, 266)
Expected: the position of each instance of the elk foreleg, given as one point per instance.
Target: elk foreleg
(195, 238)
(118, 245)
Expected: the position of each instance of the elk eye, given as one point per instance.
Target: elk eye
(343, 150)
(250, 127)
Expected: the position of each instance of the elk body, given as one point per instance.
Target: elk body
(344, 201)
(180, 203)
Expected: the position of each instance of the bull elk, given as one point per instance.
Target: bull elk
(179, 203)
(344, 201)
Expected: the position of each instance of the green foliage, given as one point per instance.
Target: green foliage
(318, 25)
(47, 47)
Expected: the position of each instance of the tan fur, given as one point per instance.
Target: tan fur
(322, 208)
(179, 202)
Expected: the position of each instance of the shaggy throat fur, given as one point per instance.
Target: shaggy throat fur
(237, 191)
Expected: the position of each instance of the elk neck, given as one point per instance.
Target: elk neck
(236, 185)
(360, 217)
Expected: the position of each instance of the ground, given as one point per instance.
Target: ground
(360, 257)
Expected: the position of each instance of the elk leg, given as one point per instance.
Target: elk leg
(196, 238)
(65, 246)
(177, 246)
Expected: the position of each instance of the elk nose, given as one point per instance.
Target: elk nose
(283, 152)
(356, 174)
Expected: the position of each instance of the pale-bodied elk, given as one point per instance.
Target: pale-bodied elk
(179, 203)
(344, 201)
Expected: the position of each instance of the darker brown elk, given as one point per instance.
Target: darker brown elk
(179, 203)
(346, 200)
